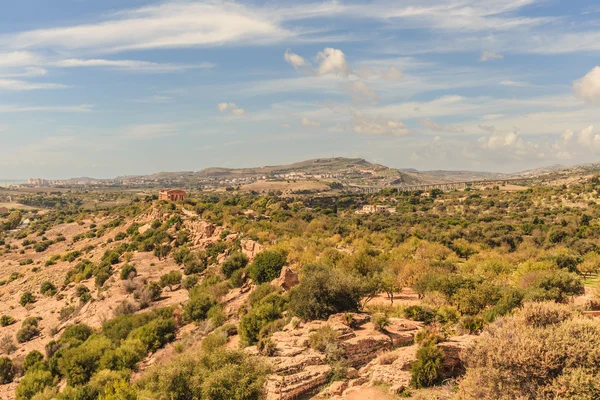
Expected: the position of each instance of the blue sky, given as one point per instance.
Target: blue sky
(107, 88)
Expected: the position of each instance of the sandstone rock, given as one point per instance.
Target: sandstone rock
(453, 352)
(251, 248)
(287, 279)
(335, 389)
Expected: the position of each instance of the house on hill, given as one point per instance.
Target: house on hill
(172, 195)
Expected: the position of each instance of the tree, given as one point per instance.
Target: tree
(267, 266)
(590, 264)
(324, 291)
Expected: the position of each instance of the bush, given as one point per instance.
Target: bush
(324, 291)
(198, 306)
(268, 310)
(544, 351)
(215, 375)
(32, 383)
(128, 271)
(426, 370)
(29, 329)
(234, 263)
(7, 370)
(380, 321)
(322, 337)
(419, 313)
(76, 334)
(171, 279)
(6, 320)
(48, 289)
(27, 298)
(155, 334)
(31, 359)
(266, 266)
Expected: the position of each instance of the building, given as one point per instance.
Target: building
(370, 209)
(172, 195)
(3, 210)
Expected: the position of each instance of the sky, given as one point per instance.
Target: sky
(124, 87)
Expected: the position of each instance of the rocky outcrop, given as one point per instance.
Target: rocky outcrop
(299, 370)
(287, 279)
(251, 248)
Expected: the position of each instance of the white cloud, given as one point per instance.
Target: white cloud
(587, 88)
(310, 123)
(490, 55)
(133, 65)
(587, 138)
(18, 59)
(434, 126)
(500, 140)
(515, 83)
(167, 25)
(19, 85)
(360, 91)
(231, 108)
(379, 126)
(27, 109)
(295, 60)
(333, 61)
(392, 73)
(150, 131)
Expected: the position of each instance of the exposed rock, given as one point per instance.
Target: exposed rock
(300, 370)
(453, 355)
(287, 279)
(335, 389)
(251, 248)
(287, 387)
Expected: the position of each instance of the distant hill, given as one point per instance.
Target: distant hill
(348, 171)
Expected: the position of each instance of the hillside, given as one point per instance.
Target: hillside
(248, 296)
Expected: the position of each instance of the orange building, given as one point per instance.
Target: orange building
(172, 195)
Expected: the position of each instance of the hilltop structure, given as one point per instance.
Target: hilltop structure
(172, 195)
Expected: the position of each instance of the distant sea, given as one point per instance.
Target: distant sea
(10, 182)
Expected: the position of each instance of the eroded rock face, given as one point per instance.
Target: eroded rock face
(251, 248)
(300, 370)
(287, 279)
(373, 357)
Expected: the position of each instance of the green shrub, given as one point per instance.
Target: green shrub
(7, 370)
(234, 263)
(35, 381)
(48, 289)
(171, 279)
(6, 320)
(128, 271)
(419, 313)
(266, 266)
(197, 307)
(31, 359)
(426, 370)
(27, 298)
(155, 334)
(76, 334)
(323, 337)
(380, 321)
(324, 291)
(29, 329)
(269, 309)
